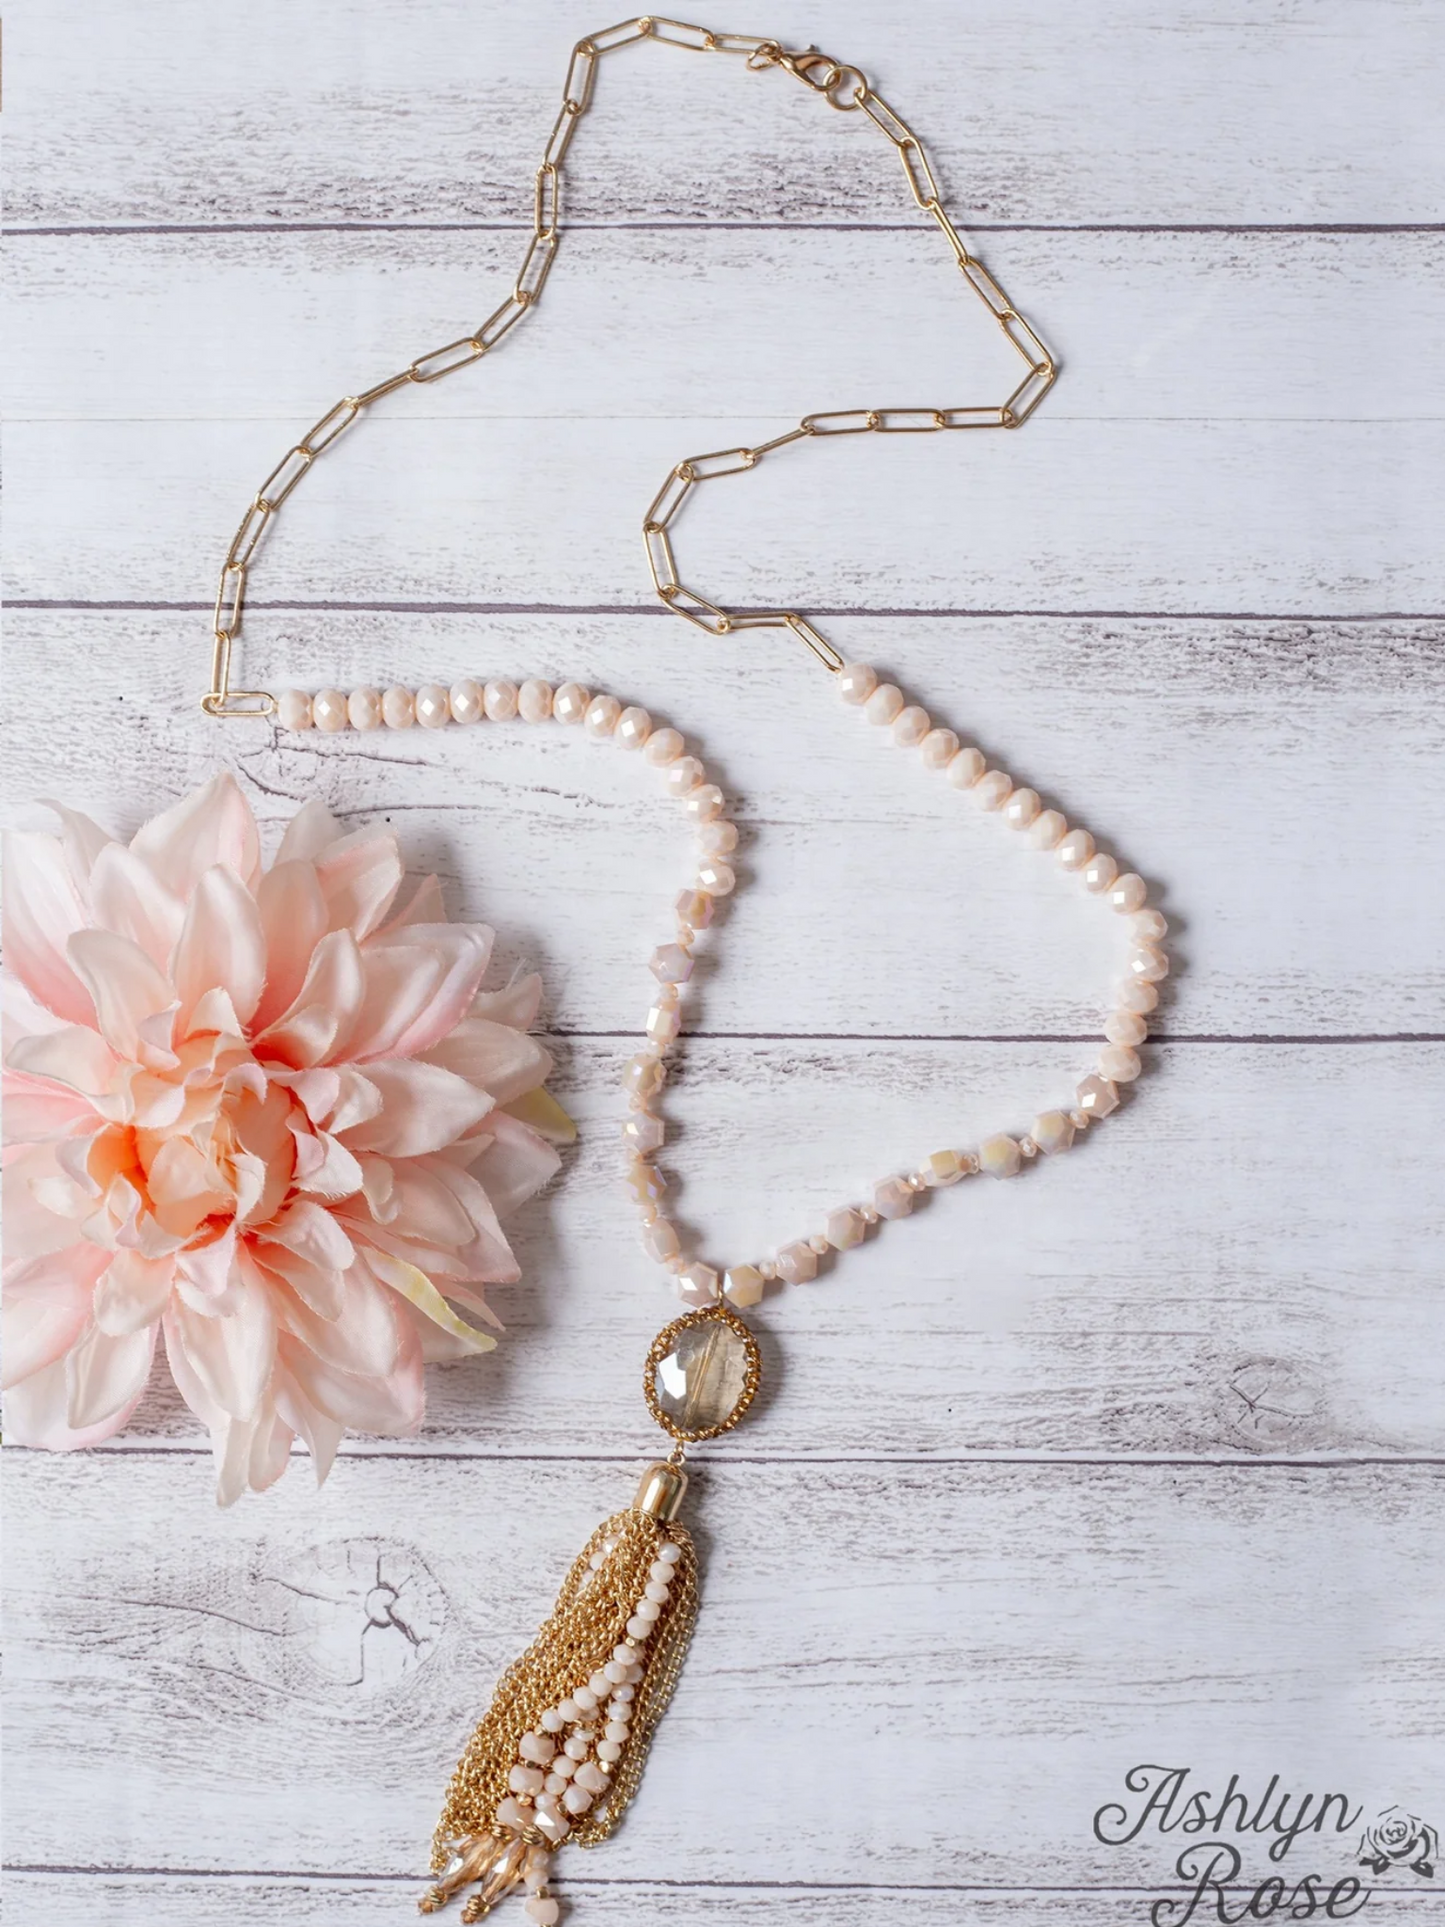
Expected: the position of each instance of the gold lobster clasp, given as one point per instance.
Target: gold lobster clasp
(841, 85)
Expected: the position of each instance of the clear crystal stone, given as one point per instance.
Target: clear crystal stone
(504, 1872)
(702, 1378)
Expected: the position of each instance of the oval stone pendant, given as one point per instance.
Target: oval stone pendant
(702, 1373)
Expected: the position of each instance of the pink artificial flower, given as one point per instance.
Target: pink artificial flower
(258, 1112)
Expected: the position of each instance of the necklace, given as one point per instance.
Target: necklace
(559, 1754)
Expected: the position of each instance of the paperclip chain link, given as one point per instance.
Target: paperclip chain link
(845, 88)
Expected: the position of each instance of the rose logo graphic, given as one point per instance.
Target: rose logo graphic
(1400, 1839)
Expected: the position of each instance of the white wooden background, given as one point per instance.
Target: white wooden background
(1137, 1460)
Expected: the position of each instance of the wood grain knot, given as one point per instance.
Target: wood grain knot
(359, 1614)
(1269, 1404)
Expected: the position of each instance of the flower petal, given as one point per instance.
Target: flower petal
(311, 830)
(31, 1230)
(418, 1290)
(423, 1108)
(359, 876)
(516, 1005)
(504, 1061)
(474, 1300)
(437, 1261)
(317, 1090)
(127, 896)
(426, 1206)
(231, 1439)
(423, 906)
(312, 1233)
(321, 1432)
(221, 945)
(293, 921)
(185, 1188)
(262, 1122)
(213, 1014)
(211, 1271)
(35, 1411)
(74, 1056)
(42, 912)
(319, 1286)
(392, 1406)
(365, 1338)
(439, 1347)
(541, 1113)
(213, 825)
(270, 1450)
(21, 1016)
(417, 992)
(250, 1454)
(378, 1184)
(231, 1356)
(35, 1112)
(106, 1375)
(125, 987)
(83, 840)
(516, 1164)
(357, 1100)
(189, 1383)
(487, 1256)
(47, 1304)
(331, 1171)
(401, 986)
(132, 1292)
(323, 1008)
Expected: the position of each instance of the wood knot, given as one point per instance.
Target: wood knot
(1273, 1404)
(361, 1613)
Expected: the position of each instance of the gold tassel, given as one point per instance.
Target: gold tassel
(507, 1807)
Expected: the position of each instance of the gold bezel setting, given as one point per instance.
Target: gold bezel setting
(662, 1344)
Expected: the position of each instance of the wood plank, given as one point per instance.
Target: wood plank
(1133, 516)
(1123, 112)
(1256, 773)
(1148, 326)
(141, 1900)
(1221, 1273)
(980, 1653)
(144, 1900)
(1135, 1460)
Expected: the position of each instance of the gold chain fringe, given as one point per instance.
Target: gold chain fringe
(588, 1621)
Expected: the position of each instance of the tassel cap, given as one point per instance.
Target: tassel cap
(661, 1491)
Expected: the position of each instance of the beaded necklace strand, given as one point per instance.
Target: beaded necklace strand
(560, 1752)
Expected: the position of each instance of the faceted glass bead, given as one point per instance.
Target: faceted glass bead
(1053, 1132)
(697, 1285)
(645, 1183)
(1098, 1096)
(893, 1198)
(363, 707)
(1148, 964)
(696, 908)
(743, 1284)
(1000, 1156)
(504, 1872)
(644, 1133)
(797, 1264)
(944, 1167)
(845, 1228)
(433, 706)
(701, 1381)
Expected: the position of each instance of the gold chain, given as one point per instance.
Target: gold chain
(588, 1621)
(844, 87)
